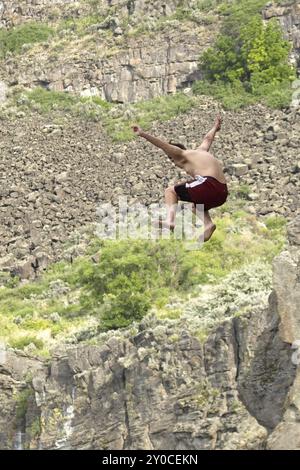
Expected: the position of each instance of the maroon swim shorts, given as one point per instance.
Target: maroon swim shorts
(205, 190)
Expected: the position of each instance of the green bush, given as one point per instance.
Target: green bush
(35, 428)
(45, 101)
(231, 95)
(80, 26)
(12, 40)
(130, 276)
(21, 343)
(243, 191)
(249, 61)
(275, 223)
(242, 291)
(234, 96)
(258, 55)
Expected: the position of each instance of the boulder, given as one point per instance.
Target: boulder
(238, 169)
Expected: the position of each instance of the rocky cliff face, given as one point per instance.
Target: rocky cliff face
(109, 63)
(160, 388)
(137, 70)
(15, 12)
(286, 281)
(119, 59)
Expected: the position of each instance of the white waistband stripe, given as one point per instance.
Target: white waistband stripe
(199, 180)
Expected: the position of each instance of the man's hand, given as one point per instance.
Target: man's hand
(218, 122)
(137, 130)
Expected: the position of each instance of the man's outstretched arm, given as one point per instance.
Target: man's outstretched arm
(210, 136)
(171, 150)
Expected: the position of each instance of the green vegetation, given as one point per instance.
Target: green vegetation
(45, 101)
(243, 191)
(204, 397)
(35, 428)
(202, 12)
(241, 292)
(208, 5)
(234, 96)
(22, 399)
(12, 40)
(21, 343)
(130, 277)
(117, 119)
(162, 108)
(276, 224)
(196, 14)
(258, 55)
(249, 61)
(79, 26)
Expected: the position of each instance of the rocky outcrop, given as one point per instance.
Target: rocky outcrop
(16, 396)
(138, 70)
(157, 390)
(161, 388)
(114, 66)
(287, 287)
(15, 12)
(123, 65)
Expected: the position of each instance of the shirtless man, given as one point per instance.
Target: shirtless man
(208, 186)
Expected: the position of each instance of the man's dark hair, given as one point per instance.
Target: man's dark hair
(178, 145)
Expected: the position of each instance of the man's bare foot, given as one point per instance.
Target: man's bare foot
(164, 224)
(208, 232)
(218, 122)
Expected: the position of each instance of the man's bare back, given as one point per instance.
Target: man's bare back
(200, 162)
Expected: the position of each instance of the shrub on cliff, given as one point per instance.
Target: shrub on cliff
(12, 40)
(130, 276)
(257, 56)
(133, 275)
(249, 60)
